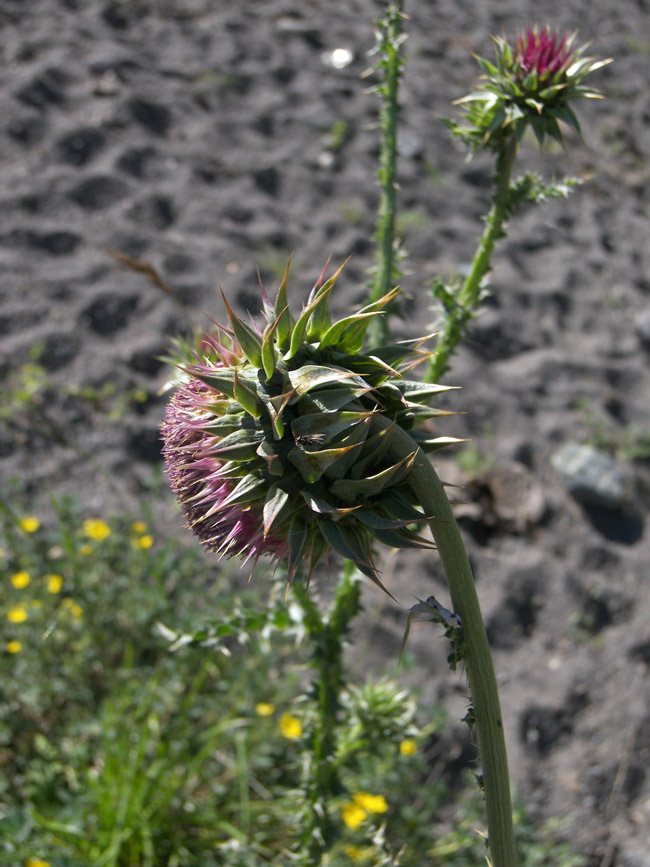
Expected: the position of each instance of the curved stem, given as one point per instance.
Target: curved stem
(478, 661)
(461, 307)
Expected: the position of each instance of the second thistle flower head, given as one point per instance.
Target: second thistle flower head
(532, 84)
(278, 440)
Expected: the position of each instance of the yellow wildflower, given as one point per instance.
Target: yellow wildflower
(408, 747)
(352, 814)
(96, 529)
(86, 549)
(73, 607)
(36, 862)
(353, 853)
(20, 579)
(371, 803)
(145, 542)
(17, 614)
(290, 726)
(264, 708)
(139, 527)
(54, 583)
(29, 524)
(14, 646)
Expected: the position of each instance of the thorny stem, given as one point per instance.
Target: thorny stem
(390, 48)
(464, 304)
(327, 637)
(478, 661)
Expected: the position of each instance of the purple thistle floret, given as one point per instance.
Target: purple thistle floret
(543, 53)
(198, 479)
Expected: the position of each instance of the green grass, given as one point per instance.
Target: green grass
(117, 751)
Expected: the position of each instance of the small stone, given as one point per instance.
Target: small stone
(409, 144)
(642, 327)
(591, 476)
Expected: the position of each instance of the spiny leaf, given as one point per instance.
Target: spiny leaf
(238, 446)
(312, 465)
(247, 490)
(310, 376)
(269, 354)
(352, 546)
(299, 329)
(248, 339)
(349, 489)
(348, 334)
(245, 393)
(276, 499)
(325, 425)
(283, 314)
(322, 507)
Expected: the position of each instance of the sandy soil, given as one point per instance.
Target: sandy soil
(210, 138)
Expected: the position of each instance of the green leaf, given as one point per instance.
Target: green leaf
(320, 319)
(222, 379)
(276, 500)
(297, 540)
(374, 449)
(322, 507)
(395, 502)
(247, 490)
(349, 490)
(416, 392)
(401, 539)
(352, 441)
(378, 522)
(348, 334)
(325, 425)
(245, 394)
(433, 444)
(269, 354)
(249, 340)
(335, 397)
(353, 546)
(311, 376)
(267, 452)
(300, 328)
(238, 446)
(283, 314)
(312, 465)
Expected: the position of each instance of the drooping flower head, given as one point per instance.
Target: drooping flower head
(532, 85)
(277, 441)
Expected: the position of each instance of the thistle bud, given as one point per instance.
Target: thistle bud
(272, 442)
(532, 84)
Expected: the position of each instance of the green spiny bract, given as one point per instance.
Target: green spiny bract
(272, 443)
(532, 85)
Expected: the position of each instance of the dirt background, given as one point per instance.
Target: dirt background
(211, 138)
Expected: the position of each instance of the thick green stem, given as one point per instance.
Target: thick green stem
(462, 307)
(390, 48)
(478, 661)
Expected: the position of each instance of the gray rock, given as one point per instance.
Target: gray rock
(591, 476)
(642, 326)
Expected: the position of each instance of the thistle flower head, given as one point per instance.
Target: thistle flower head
(543, 53)
(272, 443)
(532, 84)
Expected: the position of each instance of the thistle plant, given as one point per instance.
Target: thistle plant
(529, 86)
(288, 440)
(294, 439)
